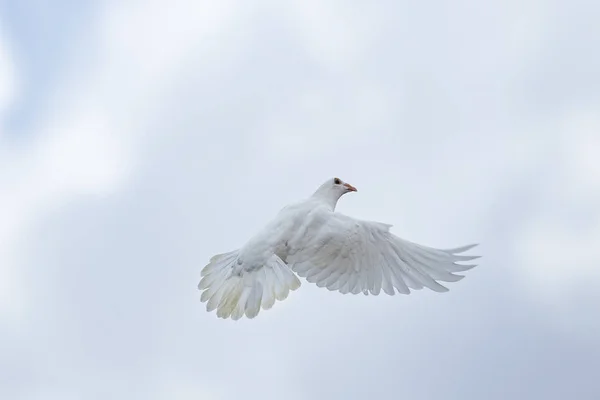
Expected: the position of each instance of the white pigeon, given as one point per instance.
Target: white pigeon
(327, 248)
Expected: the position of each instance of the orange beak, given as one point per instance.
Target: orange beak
(350, 187)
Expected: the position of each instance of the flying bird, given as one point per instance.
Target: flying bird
(311, 239)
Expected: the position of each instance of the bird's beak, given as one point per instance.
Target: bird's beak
(350, 187)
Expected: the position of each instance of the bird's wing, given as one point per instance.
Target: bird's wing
(353, 256)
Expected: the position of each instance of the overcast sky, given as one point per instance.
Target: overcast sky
(139, 138)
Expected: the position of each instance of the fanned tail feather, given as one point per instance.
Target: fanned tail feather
(235, 291)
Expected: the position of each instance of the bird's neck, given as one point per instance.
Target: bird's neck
(327, 196)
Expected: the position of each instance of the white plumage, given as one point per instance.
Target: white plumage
(327, 248)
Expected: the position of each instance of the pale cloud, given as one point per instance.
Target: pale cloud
(580, 141)
(558, 240)
(142, 45)
(49, 392)
(87, 133)
(333, 35)
(176, 387)
(317, 116)
(9, 205)
(8, 76)
(76, 156)
(529, 24)
(557, 245)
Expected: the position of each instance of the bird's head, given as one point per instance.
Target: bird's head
(332, 189)
(341, 187)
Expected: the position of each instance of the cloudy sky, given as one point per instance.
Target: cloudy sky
(139, 138)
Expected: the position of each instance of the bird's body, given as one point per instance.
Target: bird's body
(327, 248)
(284, 234)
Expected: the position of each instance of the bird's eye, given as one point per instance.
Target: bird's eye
(337, 181)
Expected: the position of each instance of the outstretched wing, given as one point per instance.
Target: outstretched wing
(353, 256)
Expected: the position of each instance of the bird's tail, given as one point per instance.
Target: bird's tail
(234, 292)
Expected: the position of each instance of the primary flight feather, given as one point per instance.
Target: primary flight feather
(332, 250)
